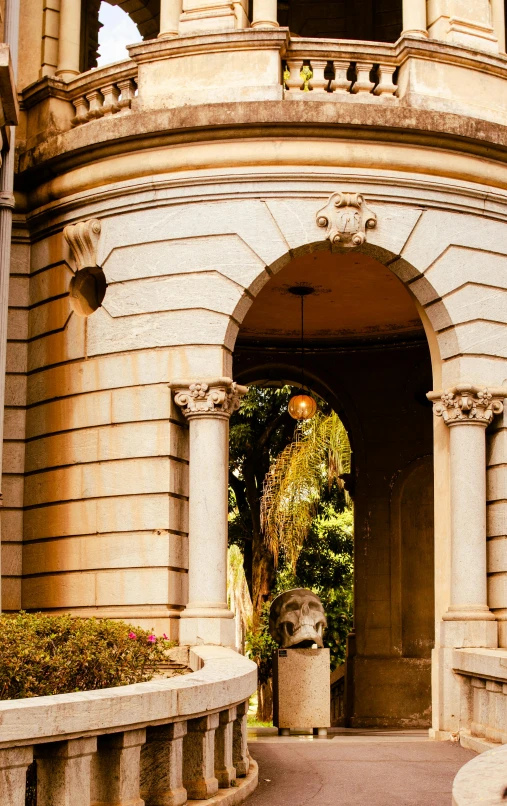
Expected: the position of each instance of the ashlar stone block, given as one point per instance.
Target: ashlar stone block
(13, 766)
(302, 688)
(240, 757)
(225, 771)
(116, 769)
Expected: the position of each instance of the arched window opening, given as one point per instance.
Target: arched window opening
(107, 28)
(367, 20)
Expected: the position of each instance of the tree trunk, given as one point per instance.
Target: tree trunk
(265, 701)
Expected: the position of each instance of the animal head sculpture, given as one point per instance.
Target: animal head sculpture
(297, 618)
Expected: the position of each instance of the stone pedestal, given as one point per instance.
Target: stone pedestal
(301, 689)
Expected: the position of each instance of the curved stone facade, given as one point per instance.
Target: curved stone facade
(210, 162)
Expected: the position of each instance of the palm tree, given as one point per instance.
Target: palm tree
(293, 485)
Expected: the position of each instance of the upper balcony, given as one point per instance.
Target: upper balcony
(210, 69)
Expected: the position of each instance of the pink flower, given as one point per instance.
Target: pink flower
(132, 635)
(152, 639)
(165, 636)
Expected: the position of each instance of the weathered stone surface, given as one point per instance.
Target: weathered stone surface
(302, 688)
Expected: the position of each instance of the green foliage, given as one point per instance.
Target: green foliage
(325, 566)
(294, 485)
(42, 655)
(260, 646)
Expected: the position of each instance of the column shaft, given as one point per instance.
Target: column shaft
(468, 519)
(69, 41)
(414, 17)
(498, 10)
(208, 406)
(265, 14)
(170, 12)
(208, 485)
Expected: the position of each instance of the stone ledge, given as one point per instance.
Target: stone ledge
(236, 794)
(487, 663)
(483, 780)
(475, 743)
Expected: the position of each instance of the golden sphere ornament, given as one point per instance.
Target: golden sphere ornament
(302, 407)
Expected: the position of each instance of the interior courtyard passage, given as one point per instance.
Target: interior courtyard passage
(355, 767)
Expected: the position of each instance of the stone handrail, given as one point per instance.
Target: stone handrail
(340, 68)
(483, 682)
(102, 92)
(165, 741)
(483, 780)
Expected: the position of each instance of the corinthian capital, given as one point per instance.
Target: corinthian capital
(221, 396)
(468, 404)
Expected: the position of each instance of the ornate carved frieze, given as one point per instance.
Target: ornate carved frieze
(83, 239)
(468, 404)
(222, 397)
(346, 218)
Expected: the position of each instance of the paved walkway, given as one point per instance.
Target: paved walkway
(351, 768)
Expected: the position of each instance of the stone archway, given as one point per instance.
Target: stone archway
(144, 13)
(367, 352)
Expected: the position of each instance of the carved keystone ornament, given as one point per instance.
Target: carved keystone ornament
(83, 239)
(346, 217)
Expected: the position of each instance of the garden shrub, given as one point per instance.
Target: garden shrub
(42, 655)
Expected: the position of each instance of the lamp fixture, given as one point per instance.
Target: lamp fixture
(302, 406)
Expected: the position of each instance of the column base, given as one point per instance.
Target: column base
(472, 633)
(208, 630)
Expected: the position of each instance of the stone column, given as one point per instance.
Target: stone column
(498, 13)
(208, 407)
(468, 410)
(199, 758)
(170, 12)
(414, 17)
(265, 14)
(116, 777)
(64, 772)
(225, 771)
(240, 757)
(162, 766)
(14, 763)
(69, 40)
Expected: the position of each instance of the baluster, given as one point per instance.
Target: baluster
(116, 769)
(292, 75)
(239, 741)
(319, 83)
(64, 772)
(363, 82)
(198, 758)
(111, 94)
(340, 83)
(386, 86)
(162, 766)
(81, 107)
(95, 100)
(225, 771)
(127, 87)
(14, 763)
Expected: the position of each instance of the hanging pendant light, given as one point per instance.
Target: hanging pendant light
(302, 406)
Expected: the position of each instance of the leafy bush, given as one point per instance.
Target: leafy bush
(42, 654)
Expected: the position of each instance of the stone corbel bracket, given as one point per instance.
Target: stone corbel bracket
(221, 396)
(346, 218)
(468, 403)
(83, 240)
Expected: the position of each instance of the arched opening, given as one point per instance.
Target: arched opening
(108, 27)
(368, 356)
(368, 20)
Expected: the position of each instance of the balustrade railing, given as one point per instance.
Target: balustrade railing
(164, 742)
(99, 93)
(340, 69)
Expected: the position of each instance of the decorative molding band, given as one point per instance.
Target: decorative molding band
(83, 239)
(346, 218)
(221, 396)
(465, 403)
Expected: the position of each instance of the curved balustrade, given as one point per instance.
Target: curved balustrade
(166, 741)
